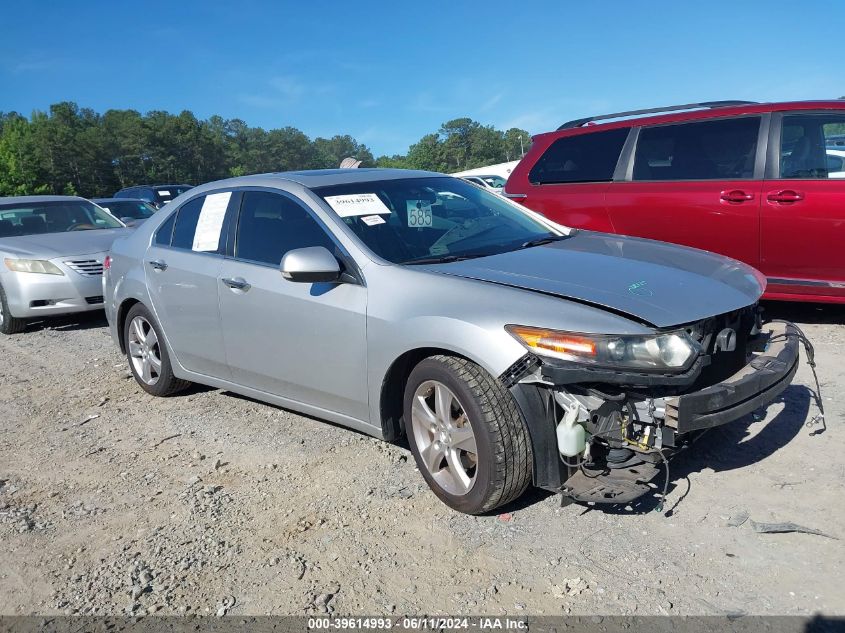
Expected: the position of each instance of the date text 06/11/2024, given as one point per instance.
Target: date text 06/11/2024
(410, 623)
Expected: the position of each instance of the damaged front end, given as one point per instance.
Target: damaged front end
(601, 433)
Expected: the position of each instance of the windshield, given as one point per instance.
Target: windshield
(432, 219)
(34, 218)
(128, 209)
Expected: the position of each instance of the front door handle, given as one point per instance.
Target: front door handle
(158, 264)
(736, 195)
(785, 196)
(236, 283)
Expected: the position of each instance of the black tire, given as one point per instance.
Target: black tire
(504, 456)
(167, 384)
(8, 323)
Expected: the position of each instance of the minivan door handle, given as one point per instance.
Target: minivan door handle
(236, 283)
(158, 264)
(736, 195)
(785, 196)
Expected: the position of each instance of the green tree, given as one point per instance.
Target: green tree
(330, 152)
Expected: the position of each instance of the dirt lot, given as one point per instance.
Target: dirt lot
(212, 503)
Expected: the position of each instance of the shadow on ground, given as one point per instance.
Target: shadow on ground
(732, 446)
(815, 313)
(69, 322)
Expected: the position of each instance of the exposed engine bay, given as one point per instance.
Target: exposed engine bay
(615, 430)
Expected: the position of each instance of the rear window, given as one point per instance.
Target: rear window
(587, 157)
(709, 150)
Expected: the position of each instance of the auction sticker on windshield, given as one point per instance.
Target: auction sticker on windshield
(357, 204)
(372, 220)
(419, 214)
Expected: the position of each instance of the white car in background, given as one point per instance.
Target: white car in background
(835, 163)
(490, 182)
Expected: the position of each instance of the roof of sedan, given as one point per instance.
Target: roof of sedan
(326, 177)
(36, 199)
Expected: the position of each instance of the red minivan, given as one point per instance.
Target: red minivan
(762, 183)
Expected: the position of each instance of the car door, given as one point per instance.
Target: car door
(803, 212)
(182, 267)
(305, 342)
(694, 183)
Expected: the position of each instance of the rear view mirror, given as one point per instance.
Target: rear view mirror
(310, 265)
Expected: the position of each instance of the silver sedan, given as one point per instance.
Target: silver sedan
(508, 350)
(51, 257)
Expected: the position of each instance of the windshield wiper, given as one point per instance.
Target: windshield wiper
(442, 259)
(544, 240)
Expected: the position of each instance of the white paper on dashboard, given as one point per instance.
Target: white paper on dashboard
(372, 220)
(162, 192)
(357, 204)
(210, 223)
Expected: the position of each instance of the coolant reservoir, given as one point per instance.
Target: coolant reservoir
(571, 437)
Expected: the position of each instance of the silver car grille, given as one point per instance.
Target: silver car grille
(87, 267)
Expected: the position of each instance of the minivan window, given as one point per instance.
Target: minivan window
(271, 224)
(587, 157)
(808, 146)
(724, 149)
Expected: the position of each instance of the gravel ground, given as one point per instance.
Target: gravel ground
(114, 502)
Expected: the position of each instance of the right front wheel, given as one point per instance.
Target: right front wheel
(466, 434)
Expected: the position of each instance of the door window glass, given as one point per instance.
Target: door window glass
(272, 224)
(709, 150)
(811, 146)
(587, 157)
(165, 231)
(186, 226)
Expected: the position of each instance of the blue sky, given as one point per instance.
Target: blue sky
(387, 73)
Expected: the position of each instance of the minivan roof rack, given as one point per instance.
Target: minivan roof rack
(686, 106)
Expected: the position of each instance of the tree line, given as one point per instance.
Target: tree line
(77, 151)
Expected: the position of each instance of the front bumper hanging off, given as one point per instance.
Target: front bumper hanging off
(755, 385)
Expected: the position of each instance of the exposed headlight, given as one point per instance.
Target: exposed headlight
(668, 350)
(33, 266)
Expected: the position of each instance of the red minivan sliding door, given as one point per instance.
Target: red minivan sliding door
(696, 184)
(803, 210)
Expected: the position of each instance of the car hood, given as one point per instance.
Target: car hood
(51, 245)
(653, 282)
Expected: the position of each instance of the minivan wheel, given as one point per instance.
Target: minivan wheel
(147, 353)
(8, 323)
(466, 434)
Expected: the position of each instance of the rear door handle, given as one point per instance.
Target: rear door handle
(158, 264)
(785, 196)
(736, 195)
(236, 283)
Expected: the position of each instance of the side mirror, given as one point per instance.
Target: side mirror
(310, 265)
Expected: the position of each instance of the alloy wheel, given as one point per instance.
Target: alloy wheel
(444, 437)
(144, 350)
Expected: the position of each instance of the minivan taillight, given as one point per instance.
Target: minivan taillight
(107, 263)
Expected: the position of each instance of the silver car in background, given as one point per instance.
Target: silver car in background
(51, 257)
(507, 349)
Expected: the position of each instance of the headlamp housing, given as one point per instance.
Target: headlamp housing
(41, 266)
(662, 351)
